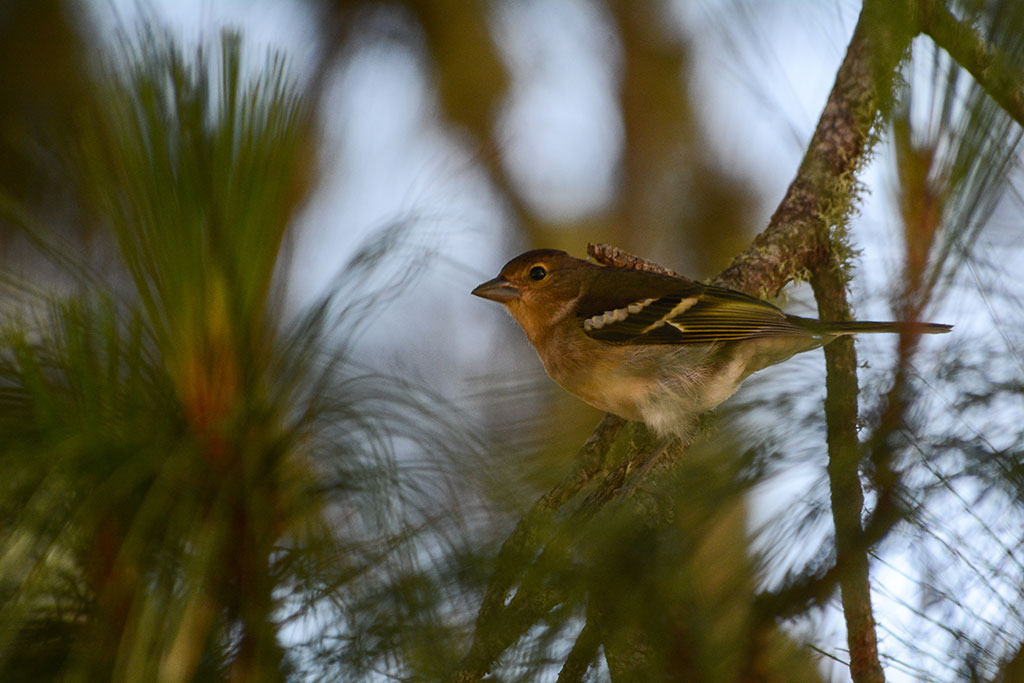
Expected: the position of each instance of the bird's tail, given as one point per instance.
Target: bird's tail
(842, 327)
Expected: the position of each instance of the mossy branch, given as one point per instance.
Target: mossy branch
(991, 68)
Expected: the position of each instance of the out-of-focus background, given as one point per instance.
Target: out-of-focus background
(306, 332)
(669, 130)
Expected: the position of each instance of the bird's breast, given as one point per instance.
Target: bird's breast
(603, 375)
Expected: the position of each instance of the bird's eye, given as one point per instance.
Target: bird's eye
(538, 273)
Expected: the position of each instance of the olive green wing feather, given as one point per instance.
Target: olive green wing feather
(691, 315)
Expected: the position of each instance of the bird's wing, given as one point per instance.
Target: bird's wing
(690, 314)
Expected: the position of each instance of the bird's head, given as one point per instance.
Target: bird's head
(539, 288)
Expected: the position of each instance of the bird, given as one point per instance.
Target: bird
(651, 347)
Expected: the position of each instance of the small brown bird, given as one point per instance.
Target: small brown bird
(652, 347)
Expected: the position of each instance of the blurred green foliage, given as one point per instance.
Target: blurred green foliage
(186, 469)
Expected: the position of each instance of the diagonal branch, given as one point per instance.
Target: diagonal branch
(995, 73)
(521, 546)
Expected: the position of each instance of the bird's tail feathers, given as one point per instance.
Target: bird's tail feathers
(842, 327)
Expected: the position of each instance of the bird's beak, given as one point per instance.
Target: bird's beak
(499, 289)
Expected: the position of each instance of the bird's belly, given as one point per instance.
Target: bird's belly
(642, 383)
(620, 393)
(667, 389)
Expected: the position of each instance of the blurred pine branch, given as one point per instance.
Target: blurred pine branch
(187, 467)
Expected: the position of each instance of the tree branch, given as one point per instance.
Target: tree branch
(995, 73)
(582, 655)
(530, 534)
(847, 496)
(845, 131)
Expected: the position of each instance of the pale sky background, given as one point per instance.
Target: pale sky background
(389, 158)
